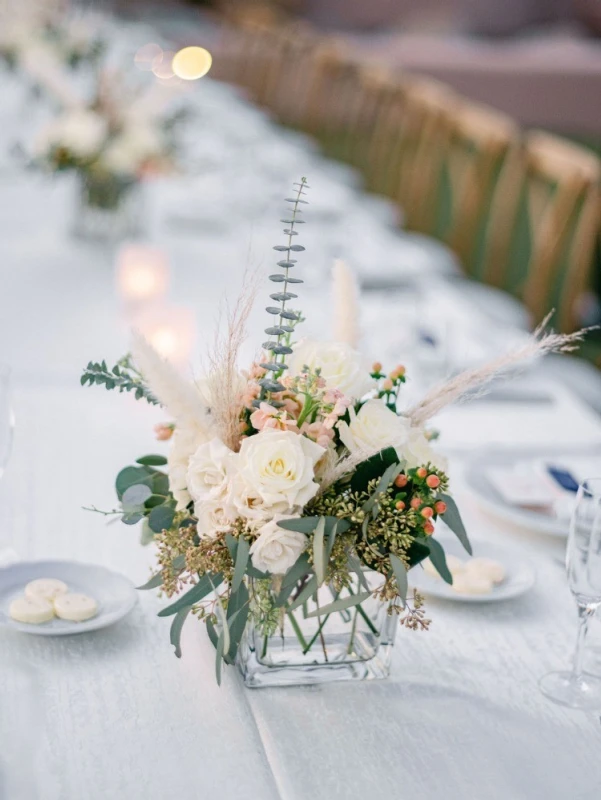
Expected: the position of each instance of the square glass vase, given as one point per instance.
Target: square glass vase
(108, 208)
(306, 647)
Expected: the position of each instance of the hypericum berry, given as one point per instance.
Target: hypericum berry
(387, 385)
(400, 481)
(376, 367)
(427, 512)
(428, 529)
(433, 481)
(400, 370)
(422, 472)
(400, 505)
(440, 507)
(416, 502)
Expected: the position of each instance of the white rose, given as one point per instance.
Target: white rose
(341, 366)
(276, 470)
(213, 517)
(186, 440)
(417, 451)
(80, 132)
(209, 469)
(276, 550)
(374, 428)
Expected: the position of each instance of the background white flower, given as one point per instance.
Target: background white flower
(277, 469)
(342, 367)
(373, 428)
(276, 550)
(81, 132)
(209, 469)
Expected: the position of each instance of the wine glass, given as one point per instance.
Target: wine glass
(583, 564)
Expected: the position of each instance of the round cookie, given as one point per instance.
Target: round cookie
(46, 589)
(487, 568)
(465, 583)
(75, 607)
(32, 611)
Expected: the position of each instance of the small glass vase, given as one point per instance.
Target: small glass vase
(353, 644)
(108, 207)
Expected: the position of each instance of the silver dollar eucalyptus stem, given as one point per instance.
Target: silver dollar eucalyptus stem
(279, 343)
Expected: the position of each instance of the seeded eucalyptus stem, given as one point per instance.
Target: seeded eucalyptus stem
(279, 343)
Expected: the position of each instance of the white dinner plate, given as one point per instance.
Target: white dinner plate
(489, 499)
(520, 575)
(114, 593)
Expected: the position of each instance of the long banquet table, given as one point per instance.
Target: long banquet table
(461, 716)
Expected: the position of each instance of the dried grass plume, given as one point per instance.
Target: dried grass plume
(345, 291)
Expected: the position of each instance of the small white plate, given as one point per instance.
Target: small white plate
(490, 500)
(520, 575)
(114, 593)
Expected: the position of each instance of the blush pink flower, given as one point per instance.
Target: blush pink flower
(266, 416)
(163, 432)
(318, 432)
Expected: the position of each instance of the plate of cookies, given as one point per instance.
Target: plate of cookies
(492, 574)
(59, 598)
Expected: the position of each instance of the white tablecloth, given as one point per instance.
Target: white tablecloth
(461, 716)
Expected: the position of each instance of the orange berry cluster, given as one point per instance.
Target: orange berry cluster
(389, 383)
(424, 484)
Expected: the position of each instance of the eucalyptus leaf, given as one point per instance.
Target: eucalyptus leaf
(356, 567)
(240, 563)
(452, 518)
(302, 524)
(219, 655)
(146, 534)
(319, 555)
(130, 476)
(135, 496)
(439, 561)
(132, 517)
(152, 461)
(340, 604)
(154, 583)
(200, 590)
(161, 518)
(400, 573)
(237, 616)
(308, 590)
(176, 630)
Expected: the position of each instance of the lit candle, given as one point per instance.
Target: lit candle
(171, 330)
(142, 273)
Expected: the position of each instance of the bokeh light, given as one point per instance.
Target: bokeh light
(146, 55)
(161, 65)
(191, 63)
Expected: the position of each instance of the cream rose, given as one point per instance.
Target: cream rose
(209, 469)
(417, 451)
(373, 428)
(276, 550)
(185, 441)
(341, 366)
(276, 469)
(213, 517)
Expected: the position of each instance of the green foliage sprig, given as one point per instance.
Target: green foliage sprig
(123, 376)
(279, 343)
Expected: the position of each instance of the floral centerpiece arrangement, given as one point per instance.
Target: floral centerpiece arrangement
(121, 136)
(295, 498)
(45, 32)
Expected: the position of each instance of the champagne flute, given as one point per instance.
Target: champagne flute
(583, 563)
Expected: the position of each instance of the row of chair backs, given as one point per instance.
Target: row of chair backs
(522, 211)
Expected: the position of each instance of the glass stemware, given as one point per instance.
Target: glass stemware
(583, 563)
